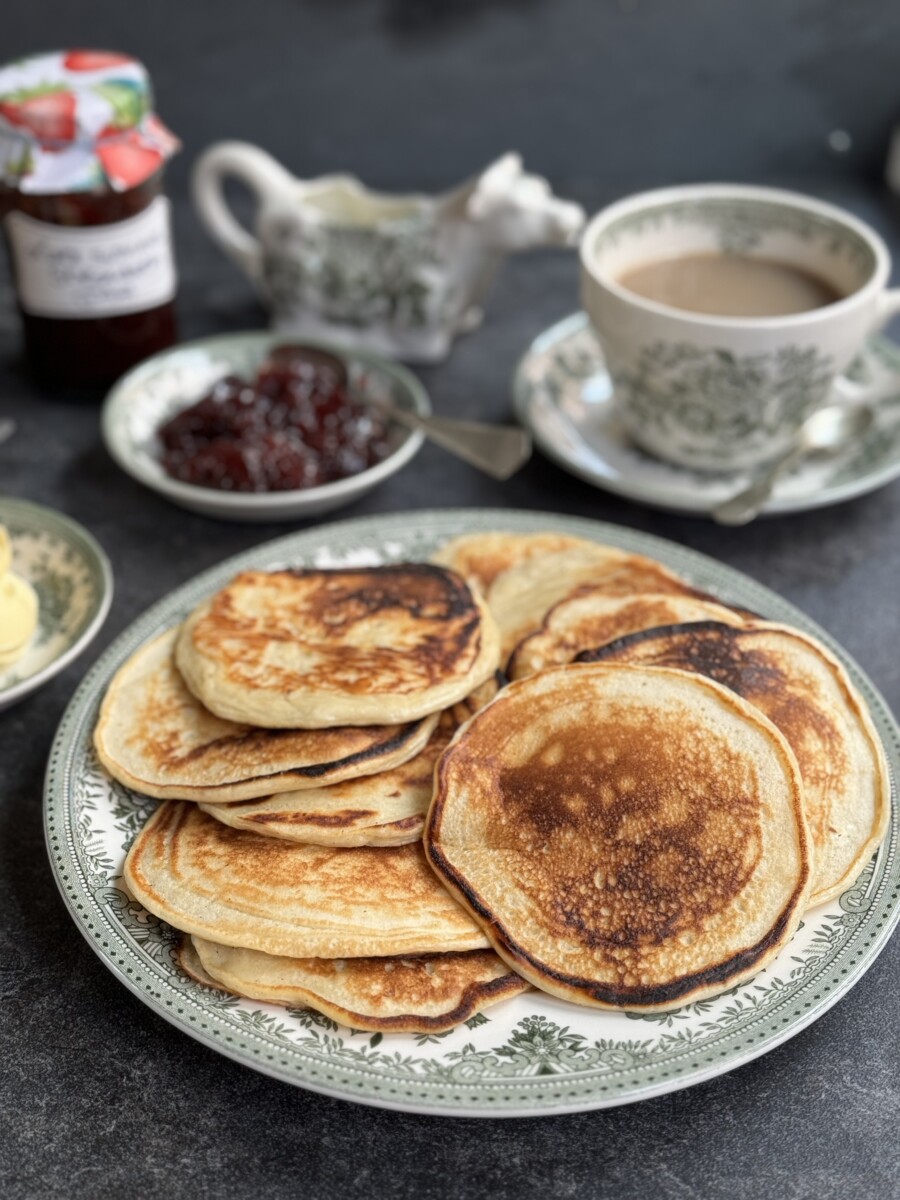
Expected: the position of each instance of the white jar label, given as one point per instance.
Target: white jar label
(93, 270)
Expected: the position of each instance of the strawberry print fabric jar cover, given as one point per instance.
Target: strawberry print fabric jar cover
(85, 218)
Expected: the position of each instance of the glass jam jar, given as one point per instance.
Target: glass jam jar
(85, 218)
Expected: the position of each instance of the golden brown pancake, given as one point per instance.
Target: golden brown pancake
(803, 690)
(427, 993)
(520, 598)
(481, 557)
(314, 648)
(187, 958)
(387, 809)
(590, 618)
(286, 898)
(153, 735)
(624, 837)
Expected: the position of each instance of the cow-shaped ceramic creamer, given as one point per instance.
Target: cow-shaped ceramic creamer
(400, 275)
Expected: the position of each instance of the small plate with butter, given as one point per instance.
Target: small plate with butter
(55, 591)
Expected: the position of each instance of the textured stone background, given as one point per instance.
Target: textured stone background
(98, 1096)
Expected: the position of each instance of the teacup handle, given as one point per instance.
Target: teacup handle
(260, 172)
(886, 306)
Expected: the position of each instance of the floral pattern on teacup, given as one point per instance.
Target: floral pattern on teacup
(704, 400)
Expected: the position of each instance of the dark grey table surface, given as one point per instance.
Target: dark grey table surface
(100, 1097)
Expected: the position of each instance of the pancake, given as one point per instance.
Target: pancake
(481, 557)
(154, 736)
(803, 690)
(316, 648)
(188, 960)
(590, 618)
(627, 838)
(428, 993)
(387, 809)
(520, 598)
(285, 898)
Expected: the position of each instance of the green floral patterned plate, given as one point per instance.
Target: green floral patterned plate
(534, 1054)
(564, 395)
(73, 580)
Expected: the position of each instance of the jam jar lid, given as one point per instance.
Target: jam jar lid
(79, 120)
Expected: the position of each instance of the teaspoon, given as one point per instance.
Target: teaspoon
(826, 432)
(498, 450)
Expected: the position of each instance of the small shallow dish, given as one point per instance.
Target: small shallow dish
(73, 580)
(166, 383)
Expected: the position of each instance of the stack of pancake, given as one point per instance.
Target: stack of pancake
(638, 818)
(289, 845)
(642, 815)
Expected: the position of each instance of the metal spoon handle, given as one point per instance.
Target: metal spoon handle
(498, 450)
(747, 503)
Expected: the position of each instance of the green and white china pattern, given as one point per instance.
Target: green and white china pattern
(712, 391)
(528, 1056)
(398, 274)
(355, 277)
(677, 387)
(564, 395)
(72, 578)
(739, 226)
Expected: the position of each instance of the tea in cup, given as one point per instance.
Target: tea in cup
(725, 314)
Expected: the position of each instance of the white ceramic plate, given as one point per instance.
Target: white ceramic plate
(528, 1056)
(73, 580)
(166, 383)
(564, 395)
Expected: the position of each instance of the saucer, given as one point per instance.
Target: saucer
(73, 581)
(563, 395)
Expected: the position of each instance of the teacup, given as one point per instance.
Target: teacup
(399, 275)
(722, 392)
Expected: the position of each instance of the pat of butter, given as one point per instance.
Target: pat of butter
(18, 616)
(5, 551)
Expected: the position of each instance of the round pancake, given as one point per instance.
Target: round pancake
(387, 809)
(626, 837)
(285, 898)
(188, 960)
(806, 693)
(428, 993)
(481, 557)
(153, 735)
(590, 618)
(316, 648)
(520, 598)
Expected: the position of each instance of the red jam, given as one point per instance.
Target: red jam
(91, 350)
(295, 426)
(84, 213)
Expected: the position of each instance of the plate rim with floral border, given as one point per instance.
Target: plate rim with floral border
(546, 1065)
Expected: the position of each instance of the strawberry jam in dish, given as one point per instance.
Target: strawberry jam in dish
(297, 425)
(84, 214)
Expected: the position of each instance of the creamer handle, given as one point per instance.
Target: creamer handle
(260, 172)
